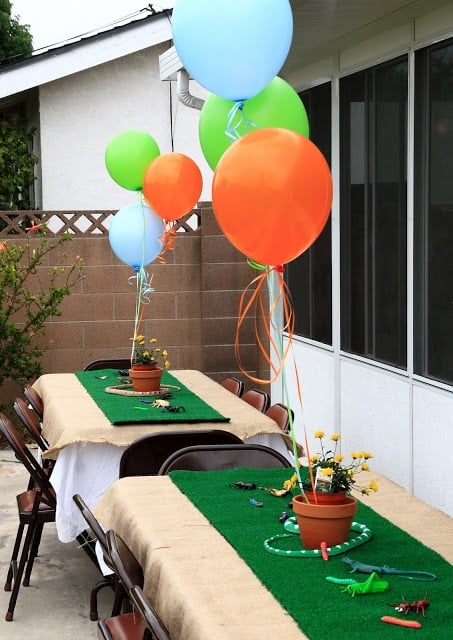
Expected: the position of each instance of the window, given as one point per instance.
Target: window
(309, 276)
(373, 148)
(433, 212)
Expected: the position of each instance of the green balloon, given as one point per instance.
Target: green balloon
(127, 156)
(277, 105)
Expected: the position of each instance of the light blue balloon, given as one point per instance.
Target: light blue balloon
(134, 235)
(233, 49)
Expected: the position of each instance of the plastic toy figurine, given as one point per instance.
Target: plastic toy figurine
(372, 585)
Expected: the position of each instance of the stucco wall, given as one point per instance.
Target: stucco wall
(81, 113)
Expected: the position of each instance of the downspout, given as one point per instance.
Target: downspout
(182, 90)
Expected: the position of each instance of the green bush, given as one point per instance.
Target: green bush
(31, 293)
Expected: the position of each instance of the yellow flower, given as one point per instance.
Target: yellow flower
(315, 458)
(364, 466)
(374, 486)
(335, 437)
(319, 434)
(338, 457)
(326, 471)
(367, 455)
(153, 341)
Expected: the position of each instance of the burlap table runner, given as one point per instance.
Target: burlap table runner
(71, 415)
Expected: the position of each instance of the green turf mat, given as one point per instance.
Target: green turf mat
(123, 410)
(320, 608)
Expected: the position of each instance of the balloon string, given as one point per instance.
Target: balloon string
(143, 291)
(254, 296)
(232, 129)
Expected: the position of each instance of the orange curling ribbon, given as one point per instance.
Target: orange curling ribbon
(267, 330)
(167, 240)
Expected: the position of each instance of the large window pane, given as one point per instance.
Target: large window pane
(309, 276)
(373, 122)
(434, 212)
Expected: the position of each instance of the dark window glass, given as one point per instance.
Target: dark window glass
(433, 205)
(309, 276)
(373, 148)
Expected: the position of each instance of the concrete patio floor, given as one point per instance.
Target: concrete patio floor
(56, 604)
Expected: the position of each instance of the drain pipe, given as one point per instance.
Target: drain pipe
(184, 95)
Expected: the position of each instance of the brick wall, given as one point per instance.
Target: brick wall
(192, 311)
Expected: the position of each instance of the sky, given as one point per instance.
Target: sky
(54, 21)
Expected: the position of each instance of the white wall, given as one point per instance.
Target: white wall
(82, 112)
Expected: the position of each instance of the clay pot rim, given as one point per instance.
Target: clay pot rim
(300, 506)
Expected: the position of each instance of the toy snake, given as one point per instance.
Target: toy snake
(385, 570)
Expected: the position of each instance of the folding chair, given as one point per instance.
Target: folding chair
(115, 363)
(33, 397)
(224, 456)
(98, 535)
(126, 566)
(234, 385)
(282, 415)
(145, 456)
(36, 507)
(150, 616)
(259, 399)
(29, 418)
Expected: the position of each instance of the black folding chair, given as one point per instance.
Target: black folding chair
(33, 397)
(114, 363)
(36, 506)
(224, 456)
(97, 535)
(145, 456)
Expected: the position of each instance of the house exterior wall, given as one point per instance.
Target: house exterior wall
(80, 114)
(404, 420)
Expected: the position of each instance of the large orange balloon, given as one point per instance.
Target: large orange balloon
(272, 193)
(172, 185)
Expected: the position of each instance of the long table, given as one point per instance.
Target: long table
(201, 588)
(88, 448)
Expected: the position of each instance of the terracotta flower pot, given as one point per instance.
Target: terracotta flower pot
(145, 379)
(326, 498)
(324, 523)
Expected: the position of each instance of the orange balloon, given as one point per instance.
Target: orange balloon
(272, 194)
(172, 185)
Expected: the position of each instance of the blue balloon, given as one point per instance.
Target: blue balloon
(233, 51)
(135, 234)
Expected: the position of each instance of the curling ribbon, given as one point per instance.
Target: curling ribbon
(252, 296)
(167, 240)
(276, 317)
(232, 130)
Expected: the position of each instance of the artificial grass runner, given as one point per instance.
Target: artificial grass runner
(123, 409)
(320, 608)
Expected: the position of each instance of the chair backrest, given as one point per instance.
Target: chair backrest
(234, 385)
(126, 566)
(30, 420)
(94, 525)
(259, 399)
(25, 455)
(145, 456)
(118, 363)
(224, 456)
(33, 397)
(282, 415)
(149, 615)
